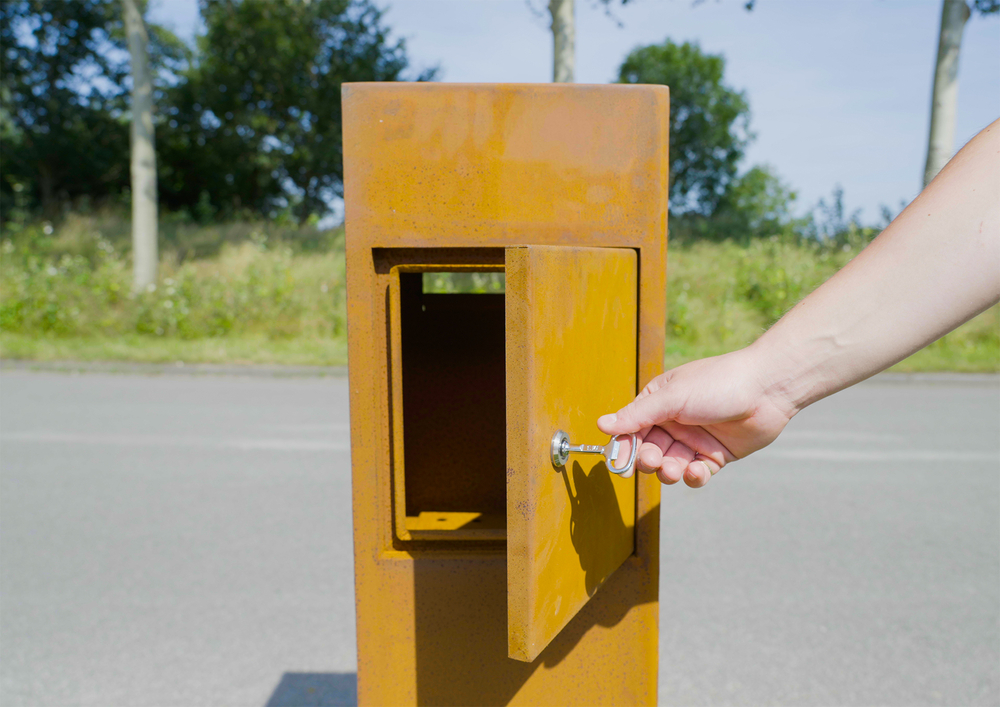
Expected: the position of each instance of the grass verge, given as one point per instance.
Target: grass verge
(65, 294)
(237, 350)
(944, 355)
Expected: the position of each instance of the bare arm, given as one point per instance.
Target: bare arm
(936, 266)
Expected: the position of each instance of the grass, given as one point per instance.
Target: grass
(722, 296)
(260, 293)
(239, 349)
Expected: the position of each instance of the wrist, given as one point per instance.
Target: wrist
(791, 377)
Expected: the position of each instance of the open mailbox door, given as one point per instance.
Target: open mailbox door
(570, 357)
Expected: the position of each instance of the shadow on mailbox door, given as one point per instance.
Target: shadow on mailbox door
(596, 520)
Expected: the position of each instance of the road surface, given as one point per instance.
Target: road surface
(186, 540)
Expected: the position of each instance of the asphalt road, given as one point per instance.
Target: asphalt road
(180, 540)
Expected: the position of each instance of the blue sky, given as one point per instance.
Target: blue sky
(839, 89)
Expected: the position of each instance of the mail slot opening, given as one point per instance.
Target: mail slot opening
(449, 475)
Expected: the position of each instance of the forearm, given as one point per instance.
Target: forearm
(936, 266)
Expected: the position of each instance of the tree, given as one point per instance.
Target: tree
(709, 121)
(255, 124)
(47, 50)
(563, 14)
(944, 95)
(756, 204)
(143, 144)
(64, 86)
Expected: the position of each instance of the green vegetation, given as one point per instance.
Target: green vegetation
(273, 293)
(247, 121)
(275, 296)
(710, 199)
(709, 121)
(722, 296)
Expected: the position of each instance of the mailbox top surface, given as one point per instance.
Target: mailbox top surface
(444, 165)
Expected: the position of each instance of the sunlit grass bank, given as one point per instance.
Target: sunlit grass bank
(255, 294)
(722, 296)
(236, 349)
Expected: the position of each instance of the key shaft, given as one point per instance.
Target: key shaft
(585, 448)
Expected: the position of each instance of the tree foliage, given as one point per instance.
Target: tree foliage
(256, 124)
(756, 204)
(248, 122)
(709, 121)
(64, 88)
(49, 49)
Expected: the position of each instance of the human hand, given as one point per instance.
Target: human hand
(696, 418)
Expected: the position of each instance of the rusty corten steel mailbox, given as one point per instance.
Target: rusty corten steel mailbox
(485, 575)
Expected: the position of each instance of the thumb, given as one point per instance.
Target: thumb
(642, 412)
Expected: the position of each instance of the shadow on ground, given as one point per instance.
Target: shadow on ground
(316, 690)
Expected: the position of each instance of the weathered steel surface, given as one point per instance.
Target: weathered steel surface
(439, 174)
(571, 352)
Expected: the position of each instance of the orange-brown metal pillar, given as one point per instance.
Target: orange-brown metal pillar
(446, 177)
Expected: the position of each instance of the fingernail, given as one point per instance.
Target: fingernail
(610, 419)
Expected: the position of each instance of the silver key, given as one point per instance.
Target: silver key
(562, 448)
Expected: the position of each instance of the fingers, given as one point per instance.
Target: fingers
(672, 450)
(655, 444)
(675, 461)
(699, 471)
(675, 451)
(646, 410)
(671, 460)
(711, 455)
(701, 441)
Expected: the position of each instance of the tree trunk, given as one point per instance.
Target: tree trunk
(45, 185)
(144, 216)
(563, 40)
(944, 100)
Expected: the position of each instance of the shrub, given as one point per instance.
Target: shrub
(73, 280)
(81, 285)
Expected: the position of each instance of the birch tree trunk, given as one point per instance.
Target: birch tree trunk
(944, 98)
(144, 212)
(563, 40)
